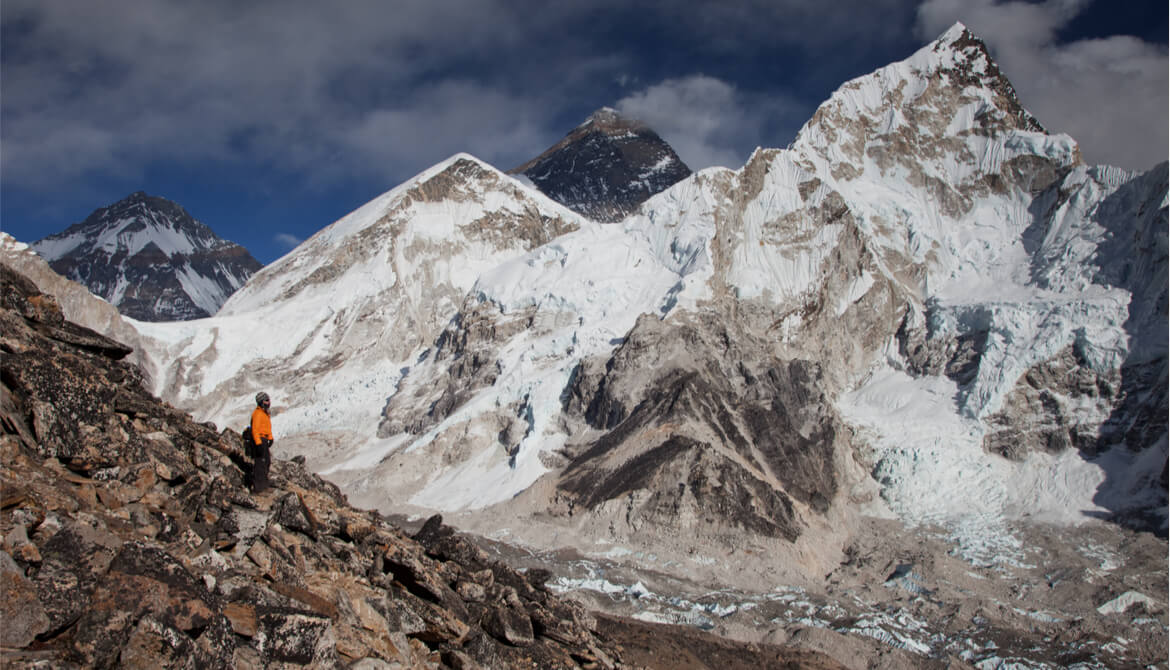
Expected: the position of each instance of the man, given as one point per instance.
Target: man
(262, 441)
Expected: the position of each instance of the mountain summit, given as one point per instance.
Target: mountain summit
(606, 167)
(151, 259)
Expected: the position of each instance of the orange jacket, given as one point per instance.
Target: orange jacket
(261, 426)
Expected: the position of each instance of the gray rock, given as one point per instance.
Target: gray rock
(301, 639)
(24, 617)
(510, 625)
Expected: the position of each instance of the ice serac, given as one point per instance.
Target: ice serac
(606, 167)
(150, 259)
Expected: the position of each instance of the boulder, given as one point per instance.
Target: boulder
(24, 617)
(510, 625)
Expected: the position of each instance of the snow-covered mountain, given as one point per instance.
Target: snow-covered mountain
(925, 287)
(330, 328)
(606, 167)
(926, 308)
(149, 258)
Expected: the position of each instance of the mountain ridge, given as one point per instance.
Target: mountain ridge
(150, 258)
(757, 246)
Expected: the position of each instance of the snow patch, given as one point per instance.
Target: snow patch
(1123, 602)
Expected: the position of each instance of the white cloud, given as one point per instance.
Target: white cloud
(443, 119)
(1108, 94)
(1015, 23)
(108, 88)
(287, 241)
(707, 121)
(691, 114)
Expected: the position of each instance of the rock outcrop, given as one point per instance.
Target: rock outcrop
(706, 429)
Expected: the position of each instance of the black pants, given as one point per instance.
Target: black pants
(260, 460)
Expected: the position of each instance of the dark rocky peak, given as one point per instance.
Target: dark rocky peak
(606, 167)
(609, 120)
(150, 258)
(140, 211)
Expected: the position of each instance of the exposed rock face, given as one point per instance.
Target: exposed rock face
(706, 429)
(148, 257)
(606, 167)
(1059, 404)
(468, 344)
(77, 303)
(130, 540)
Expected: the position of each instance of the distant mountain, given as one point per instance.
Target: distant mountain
(150, 259)
(606, 167)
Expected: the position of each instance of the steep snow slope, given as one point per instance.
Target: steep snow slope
(149, 258)
(572, 298)
(330, 328)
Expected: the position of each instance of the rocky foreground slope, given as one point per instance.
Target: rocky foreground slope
(130, 540)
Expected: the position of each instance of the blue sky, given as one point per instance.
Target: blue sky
(268, 120)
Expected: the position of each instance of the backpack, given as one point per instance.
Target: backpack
(248, 444)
